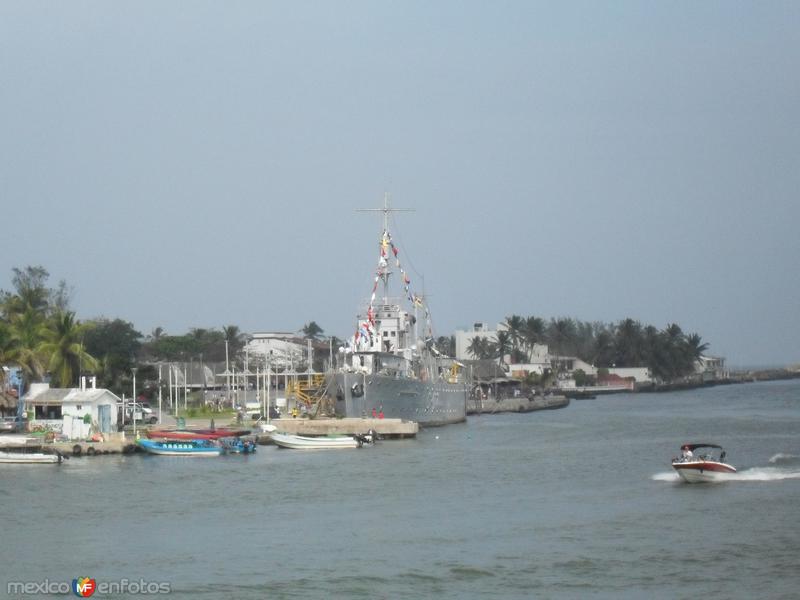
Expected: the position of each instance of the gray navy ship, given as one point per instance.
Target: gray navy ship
(387, 368)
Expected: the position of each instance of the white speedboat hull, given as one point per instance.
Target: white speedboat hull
(299, 442)
(703, 471)
(29, 458)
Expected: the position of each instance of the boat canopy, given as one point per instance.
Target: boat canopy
(695, 446)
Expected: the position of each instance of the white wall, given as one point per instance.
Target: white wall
(78, 404)
(464, 339)
(640, 374)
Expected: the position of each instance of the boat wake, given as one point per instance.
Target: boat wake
(783, 458)
(765, 474)
(754, 474)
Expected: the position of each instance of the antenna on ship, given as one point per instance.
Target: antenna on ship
(385, 210)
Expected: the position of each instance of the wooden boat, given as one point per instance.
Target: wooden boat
(30, 457)
(180, 447)
(195, 434)
(299, 442)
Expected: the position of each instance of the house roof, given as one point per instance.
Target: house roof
(70, 395)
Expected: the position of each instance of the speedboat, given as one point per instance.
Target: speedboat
(30, 457)
(701, 463)
(180, 447)
(299, 442)
(27, 450)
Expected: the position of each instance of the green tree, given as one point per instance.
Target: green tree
(236, 339)
(561, 334)
(602, 353)
(533, 333)
(503, 345)
(446, 345)
(695, 346)
(312, 330)
(27, 331)
(516, 326)
(64, 352)
(31, 292)
(628, 344)
(480, 347)
(115, 344)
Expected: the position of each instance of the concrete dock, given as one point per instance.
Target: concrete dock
(117, 443)
(385, 428)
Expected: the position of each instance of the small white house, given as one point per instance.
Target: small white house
(77, 412)
(89, 411)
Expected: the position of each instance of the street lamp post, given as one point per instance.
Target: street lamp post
(133, 411)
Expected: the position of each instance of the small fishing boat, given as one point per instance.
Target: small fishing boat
(700, 463)
(235, 445)
(299, 442)
(30, 457)
(195, 434)
(180, 447)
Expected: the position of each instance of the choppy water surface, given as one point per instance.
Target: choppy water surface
(558, 504)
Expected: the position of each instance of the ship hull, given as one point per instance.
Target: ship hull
(429, 403)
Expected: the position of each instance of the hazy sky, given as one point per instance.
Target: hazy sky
(198, 164)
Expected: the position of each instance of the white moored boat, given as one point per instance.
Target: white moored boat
(29, 457)
(299, 442)
(700, 463)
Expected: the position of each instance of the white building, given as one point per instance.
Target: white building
(281, 349)
(464, 339)
(76, 412)
(538, 363)
(711, 368)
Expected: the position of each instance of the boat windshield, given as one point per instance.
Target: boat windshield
(712, 452)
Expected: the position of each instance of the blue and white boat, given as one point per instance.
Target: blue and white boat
(235, 445)
(180, 448)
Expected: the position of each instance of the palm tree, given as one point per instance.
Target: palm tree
(5, 347)
(234, 337)
(562, 333)
(533, 333)
(446, 345)
(27, 332)
(64, 352)
(628, 344)
(695, 346)
(231, 332)
(312, 330)
(515, 325)
(503, 345)
(480, 347)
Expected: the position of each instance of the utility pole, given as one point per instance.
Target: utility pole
(133, 412)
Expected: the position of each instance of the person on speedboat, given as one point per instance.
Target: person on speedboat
(687, 453)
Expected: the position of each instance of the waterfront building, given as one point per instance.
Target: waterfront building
(73, 412)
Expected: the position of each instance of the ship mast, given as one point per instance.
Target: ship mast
(386, 210)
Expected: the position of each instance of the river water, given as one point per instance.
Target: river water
(573, 503)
